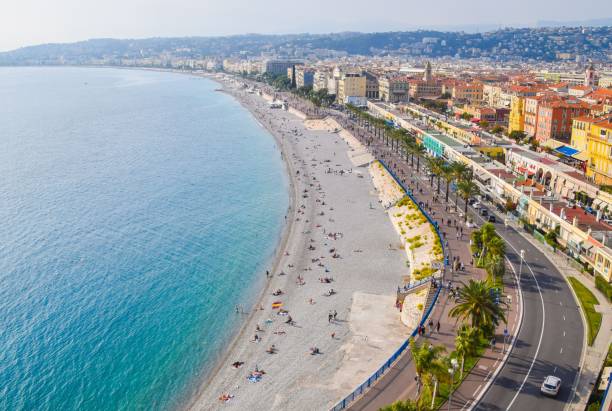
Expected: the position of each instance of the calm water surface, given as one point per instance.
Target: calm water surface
(136, 209)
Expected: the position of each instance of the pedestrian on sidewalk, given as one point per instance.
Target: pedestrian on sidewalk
(431, 324)
(438, 327)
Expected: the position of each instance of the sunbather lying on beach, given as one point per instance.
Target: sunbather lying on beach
(238, 364)
(225, 397)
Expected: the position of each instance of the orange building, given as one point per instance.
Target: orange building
(554, 118)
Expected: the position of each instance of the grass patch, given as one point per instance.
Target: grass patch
(587, 302)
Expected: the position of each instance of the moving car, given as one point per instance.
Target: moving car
(483, 212)
(491, 218)
(551, 385)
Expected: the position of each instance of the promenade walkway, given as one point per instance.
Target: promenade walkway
(399, 382)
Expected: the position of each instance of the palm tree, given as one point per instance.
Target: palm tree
(447, 174)
(495, 267)
(429, 365)
(459, 171)
(476, 304)
(436, 165)
(419, 151)
(466, 343)
(484, 236)
(466, 190)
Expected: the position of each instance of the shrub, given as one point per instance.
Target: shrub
(603, 286)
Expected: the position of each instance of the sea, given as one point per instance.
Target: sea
(137, 209)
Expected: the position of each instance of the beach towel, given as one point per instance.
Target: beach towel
(276, 305)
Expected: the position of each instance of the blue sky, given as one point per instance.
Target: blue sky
(27, 22)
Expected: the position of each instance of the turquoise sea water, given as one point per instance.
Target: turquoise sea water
(136, 209)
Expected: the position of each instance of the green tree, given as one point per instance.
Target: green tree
(436, 165)
(475, 303)
(466, 189)
(430, 367)
(466, 116)
(466, 343)
(447, 174)
(517, 136)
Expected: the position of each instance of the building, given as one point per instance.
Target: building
(372, 86)
(351, 85)
(593, 136)
(467, 92)
(589, 76)
(279, 67)
(427, 87)
(516, 119)
(394, 89)
(304, 76)
(554, 119)
(599, 149)
(319, 80)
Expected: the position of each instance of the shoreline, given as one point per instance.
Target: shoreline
(368, 328)
(275, 259)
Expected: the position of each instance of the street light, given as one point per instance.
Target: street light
(451, 371)
(506, 334)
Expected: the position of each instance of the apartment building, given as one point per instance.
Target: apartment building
(372, 86)
(351, 85)
(554, 118)
(467, 92)
(304, 76)
(394, 89)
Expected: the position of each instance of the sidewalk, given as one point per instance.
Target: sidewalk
(399, 383)
(592, 357)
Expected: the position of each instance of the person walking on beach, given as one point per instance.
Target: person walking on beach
(438, 327)
(335, 314)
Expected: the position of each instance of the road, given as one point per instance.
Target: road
(550, 340)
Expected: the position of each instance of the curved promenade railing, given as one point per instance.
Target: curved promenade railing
(379, 373)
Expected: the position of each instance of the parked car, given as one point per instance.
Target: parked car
(491, 218)
(477, 205)
(551, 385)
(483, 212)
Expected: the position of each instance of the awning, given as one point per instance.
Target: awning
(582, 156)
(566, 151)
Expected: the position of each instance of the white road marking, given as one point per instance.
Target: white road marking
(560, 303)
(477, 389)
(564, 333)
(563, 318)
(561, 352)
(541, 330)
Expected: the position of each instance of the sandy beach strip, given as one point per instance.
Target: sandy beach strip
(342, 233)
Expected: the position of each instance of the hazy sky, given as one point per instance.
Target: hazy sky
(27, 22)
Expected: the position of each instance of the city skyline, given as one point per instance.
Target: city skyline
(70, 20)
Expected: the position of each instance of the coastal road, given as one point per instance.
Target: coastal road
(551, 338)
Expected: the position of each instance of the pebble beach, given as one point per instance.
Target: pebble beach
(327, 317)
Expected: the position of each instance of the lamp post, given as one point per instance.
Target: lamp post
(505, 338)
(451, 371)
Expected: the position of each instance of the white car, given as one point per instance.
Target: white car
(551, 385)
(477, 205)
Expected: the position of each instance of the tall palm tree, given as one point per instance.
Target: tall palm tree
(466, 343)
(496, 267)
(447, 174)
(466, 189)
(460, 171)
(476, 304)
(419, 151)
(435, 166)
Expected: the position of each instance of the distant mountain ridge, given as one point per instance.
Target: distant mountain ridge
(545, 44)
